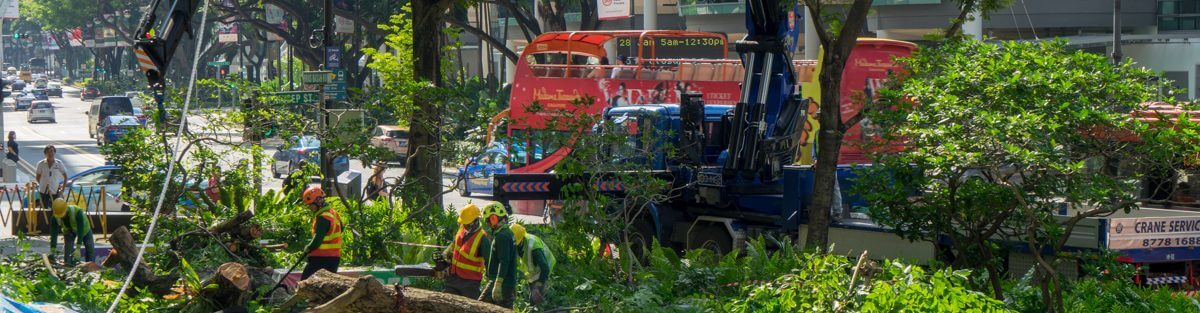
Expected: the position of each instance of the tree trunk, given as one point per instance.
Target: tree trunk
(424, 173)
(829, 139)
(339, 293)
(124, 251)
(232, 286)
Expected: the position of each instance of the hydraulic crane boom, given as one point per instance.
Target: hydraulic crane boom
(763, 125)
(156, 44)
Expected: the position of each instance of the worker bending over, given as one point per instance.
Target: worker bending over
(75, 227)
(325, 249)
(538, 260)
(466, 255)
(501, 260)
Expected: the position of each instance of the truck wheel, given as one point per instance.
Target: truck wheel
(641, 240)
(712, 238)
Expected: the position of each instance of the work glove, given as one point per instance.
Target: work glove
(536, 295)
(498, 290)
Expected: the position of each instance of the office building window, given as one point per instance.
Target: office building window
(1178, 15)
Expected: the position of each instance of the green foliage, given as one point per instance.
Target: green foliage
(997, 136)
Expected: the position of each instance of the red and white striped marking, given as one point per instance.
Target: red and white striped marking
(144, 60)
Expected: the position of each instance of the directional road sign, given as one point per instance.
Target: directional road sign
(317, 77)
(296, 97)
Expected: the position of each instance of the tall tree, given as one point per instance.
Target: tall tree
(837, 44)
(424, 171)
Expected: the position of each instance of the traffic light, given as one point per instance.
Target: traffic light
(16, 36)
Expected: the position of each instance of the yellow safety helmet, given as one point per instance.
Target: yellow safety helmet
(468, 214)
(493, 213)
(518, 233)
(60, 207)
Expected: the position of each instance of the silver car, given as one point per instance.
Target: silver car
(41, 110)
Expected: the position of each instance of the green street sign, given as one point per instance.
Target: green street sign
(218, 63)
(317, 77)
(295, 97)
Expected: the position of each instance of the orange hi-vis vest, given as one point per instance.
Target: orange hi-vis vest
(467, 263)
(331, 245)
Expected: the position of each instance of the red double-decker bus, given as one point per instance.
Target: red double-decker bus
(615, 68)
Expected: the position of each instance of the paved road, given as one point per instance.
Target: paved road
(79, 152)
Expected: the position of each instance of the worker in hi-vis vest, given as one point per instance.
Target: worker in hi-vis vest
(538, 261)
(466, 255)
(325, 249)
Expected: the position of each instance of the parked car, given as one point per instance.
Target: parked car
(108, 106)
(41, 110)
(476, 175)
(84, 189)
(89, 93)
(305, 148)
(115, 127)
(24, 101)
(54, 90)
(393, 138)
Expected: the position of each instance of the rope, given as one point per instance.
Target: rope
(170, 162)
(1034, 29)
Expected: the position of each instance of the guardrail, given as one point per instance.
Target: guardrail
(22, 211)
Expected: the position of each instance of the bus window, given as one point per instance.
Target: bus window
(517, 148)
(545, 143)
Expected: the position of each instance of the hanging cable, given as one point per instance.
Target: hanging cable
(1015, 23)
(170, 162)
(1027, 18)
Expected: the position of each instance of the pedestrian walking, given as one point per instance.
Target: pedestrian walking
(51, 177)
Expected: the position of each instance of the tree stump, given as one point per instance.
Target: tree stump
(232, 283)
(124, 251)
(339, 293)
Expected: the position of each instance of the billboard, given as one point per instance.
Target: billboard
(613, 9)
(275, 16)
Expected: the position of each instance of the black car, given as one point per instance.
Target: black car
(41, 94)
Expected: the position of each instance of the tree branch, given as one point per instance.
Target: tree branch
(496, 44)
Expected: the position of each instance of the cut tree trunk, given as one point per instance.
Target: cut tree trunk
(124, 251)
(233, 286)
(329, 292)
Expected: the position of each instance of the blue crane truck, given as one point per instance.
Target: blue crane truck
(733, 176)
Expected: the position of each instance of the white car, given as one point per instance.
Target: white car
(41, 110)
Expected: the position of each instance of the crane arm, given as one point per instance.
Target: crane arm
(763, 123)
(156, 42)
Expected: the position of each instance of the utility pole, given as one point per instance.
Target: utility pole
(327, 42)
(1116, 52)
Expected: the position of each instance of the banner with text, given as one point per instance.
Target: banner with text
(275, 16)
(613, 9)
(1153, 232)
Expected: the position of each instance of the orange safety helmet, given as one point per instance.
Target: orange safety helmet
(312, 194)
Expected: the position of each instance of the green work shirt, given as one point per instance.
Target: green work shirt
(537, 258)
(502, 261)
(75, 222)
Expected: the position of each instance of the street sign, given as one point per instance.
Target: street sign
(336, 88)
(333, 57)
(295, 97)
(218, 63)
(317, 77)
